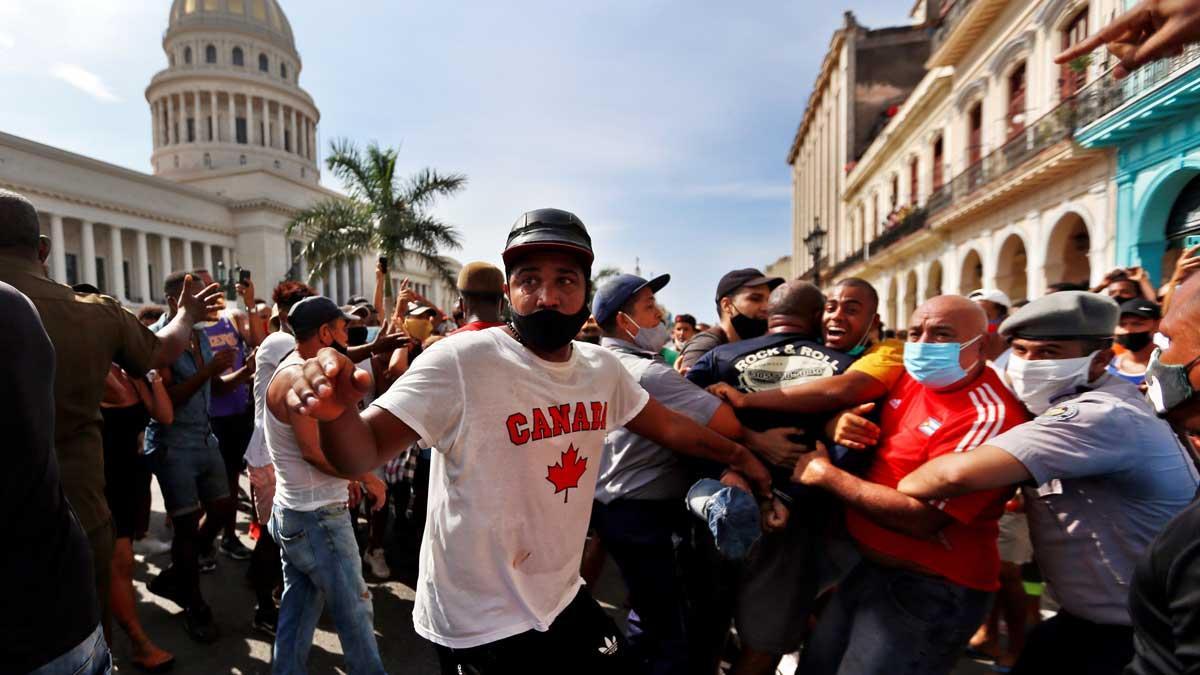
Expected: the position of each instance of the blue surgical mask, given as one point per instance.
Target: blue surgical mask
(651, 339)
(935, 364)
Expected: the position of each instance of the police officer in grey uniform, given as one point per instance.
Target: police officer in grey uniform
(1101, 473)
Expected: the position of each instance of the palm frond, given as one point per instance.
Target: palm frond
(348, 165)
(332, 229)
(427, 184)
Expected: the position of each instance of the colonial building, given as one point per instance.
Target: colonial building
(977, 178)
(235, 157)
(864, 73)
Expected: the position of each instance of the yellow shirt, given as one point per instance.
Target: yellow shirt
(884, 361)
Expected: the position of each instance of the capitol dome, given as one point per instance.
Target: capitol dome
(229, 100)
(260, 18)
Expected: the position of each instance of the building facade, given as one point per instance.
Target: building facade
(977, 178)
(235, 157)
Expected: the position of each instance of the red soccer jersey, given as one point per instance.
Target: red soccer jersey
(917, 425)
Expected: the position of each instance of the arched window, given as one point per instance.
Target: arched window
(914, 180)
(187, 55)
(283, 70)
(210, 54)
(975, 133)
(1016, 100)
(238, 58)
(938, 159)
(263, 64)
(1072, 75)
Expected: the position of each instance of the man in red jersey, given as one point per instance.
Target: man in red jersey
(922, 587)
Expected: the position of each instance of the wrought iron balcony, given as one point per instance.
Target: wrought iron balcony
(1099, 99)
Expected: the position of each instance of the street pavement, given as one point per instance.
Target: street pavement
(243, 651)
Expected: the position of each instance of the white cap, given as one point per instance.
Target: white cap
(991, 295)
(419, 310)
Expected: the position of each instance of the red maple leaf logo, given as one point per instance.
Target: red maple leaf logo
(565, 475)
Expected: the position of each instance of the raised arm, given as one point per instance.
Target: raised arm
(958, 473)
(175, 337)
(679, 433)
(154, 396)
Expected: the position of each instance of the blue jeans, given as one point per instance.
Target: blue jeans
(640, 535)
(90, 657)
(894, 622)
(320, 562)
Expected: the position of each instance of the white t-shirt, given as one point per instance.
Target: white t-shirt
(519, 441)
(266, 360)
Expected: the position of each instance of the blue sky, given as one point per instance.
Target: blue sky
(664, 124)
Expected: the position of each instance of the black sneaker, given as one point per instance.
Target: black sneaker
(199, 624)
(234, 548)
(207, 562)
(265, 619)
(164, 586)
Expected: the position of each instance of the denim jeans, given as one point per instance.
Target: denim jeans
(893, 622)
(321, 563)
(90, 657)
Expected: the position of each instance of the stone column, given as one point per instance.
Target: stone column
(142, 262)
(295, 132)
(164, 260)
(225, 257)
(116, 267)
(58, 249)
(302, 136)
(188, 264)
(343, 280)
(279, 125)
(214, 120)
(172, 137)
(303, 263)
(87, 235)
(312, 138)
(154, 116)
(333, 284)
(206, 250)
(249, 119)
(232, 119)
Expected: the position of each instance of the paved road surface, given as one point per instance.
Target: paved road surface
(243, 651)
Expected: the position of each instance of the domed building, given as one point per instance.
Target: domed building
(236, 156)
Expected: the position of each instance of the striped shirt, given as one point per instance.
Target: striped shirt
(917, 425)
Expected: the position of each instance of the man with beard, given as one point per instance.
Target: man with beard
(518, 415)
(742, 308)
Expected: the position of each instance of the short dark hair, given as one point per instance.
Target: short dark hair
(151, 312)
(686, 318)
(289, 293)
(19, 225)
(863, 285)
(1065, 286)
(173, 284)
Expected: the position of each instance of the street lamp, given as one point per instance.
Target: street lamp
(814, 242)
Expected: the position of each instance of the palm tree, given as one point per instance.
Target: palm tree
(381, 213)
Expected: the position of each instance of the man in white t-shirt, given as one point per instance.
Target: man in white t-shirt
(518, 415)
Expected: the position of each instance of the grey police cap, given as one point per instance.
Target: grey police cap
(1067, 315)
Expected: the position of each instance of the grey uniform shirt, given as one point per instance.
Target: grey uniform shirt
(633, 467)
(1110, 474)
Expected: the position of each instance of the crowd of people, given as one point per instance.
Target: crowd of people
(796, 479)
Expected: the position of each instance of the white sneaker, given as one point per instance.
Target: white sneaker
(377, 564)
(151, 546)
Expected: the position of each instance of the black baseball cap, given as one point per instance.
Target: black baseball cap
(613, 295)
(732, 281)
(311, 313)
(549, 229)
(1143, 308)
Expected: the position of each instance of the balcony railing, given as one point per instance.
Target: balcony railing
(913, 222)
(1106, 94)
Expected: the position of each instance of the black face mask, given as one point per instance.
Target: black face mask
(748, 327)
(358, 335)
(549, 330)
(1134, 342)
(340, 348)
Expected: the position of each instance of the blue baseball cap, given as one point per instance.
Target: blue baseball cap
(613, 295)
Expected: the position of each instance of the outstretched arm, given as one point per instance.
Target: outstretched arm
(958, 473)
(679, 433)
(821, 395)
(887, 507)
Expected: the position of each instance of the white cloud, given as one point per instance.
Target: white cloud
(7, 41)
(85, 81)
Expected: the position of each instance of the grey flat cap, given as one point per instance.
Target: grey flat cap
(1068, 315)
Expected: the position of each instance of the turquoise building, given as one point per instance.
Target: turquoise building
(1152, 120)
